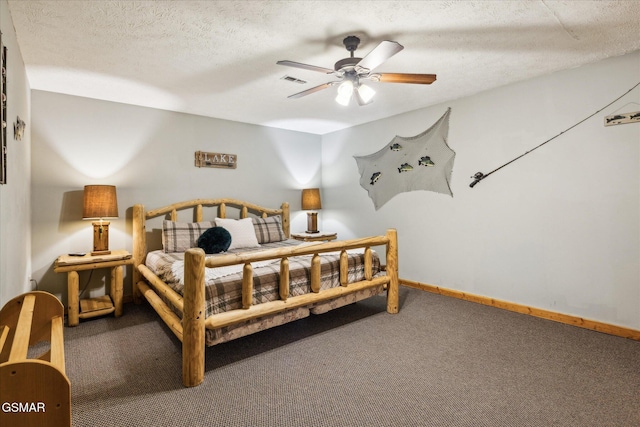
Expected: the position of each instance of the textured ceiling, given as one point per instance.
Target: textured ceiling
(218, 58)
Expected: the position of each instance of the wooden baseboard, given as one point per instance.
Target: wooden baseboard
(619, 331)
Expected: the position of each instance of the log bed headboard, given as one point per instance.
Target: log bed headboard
(140, 217)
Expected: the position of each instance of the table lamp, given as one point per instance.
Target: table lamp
(100, 202)
(311, 201)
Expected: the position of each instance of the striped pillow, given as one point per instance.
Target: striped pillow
(180, 236)
(269, 229)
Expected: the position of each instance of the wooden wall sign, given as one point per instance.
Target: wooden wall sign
(216, 160)
(621, 118)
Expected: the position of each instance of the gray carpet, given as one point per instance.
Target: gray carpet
(439, 362)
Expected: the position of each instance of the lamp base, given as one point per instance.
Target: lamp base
(312, 222)
(100, 238)
(94, 253)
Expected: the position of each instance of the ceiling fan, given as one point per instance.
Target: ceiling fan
(352, 71)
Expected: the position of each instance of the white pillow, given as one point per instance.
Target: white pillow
(243, 235)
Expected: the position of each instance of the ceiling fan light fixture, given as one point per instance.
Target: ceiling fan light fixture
(343, 100)
(366, 93)
(345, 90)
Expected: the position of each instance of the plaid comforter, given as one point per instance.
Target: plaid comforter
(225, 293)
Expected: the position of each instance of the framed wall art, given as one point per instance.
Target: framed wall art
(3, 113)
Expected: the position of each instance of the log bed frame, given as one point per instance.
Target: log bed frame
(191, 328)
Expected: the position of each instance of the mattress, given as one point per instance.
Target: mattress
(223, 286)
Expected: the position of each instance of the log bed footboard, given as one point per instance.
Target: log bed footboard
(191, 328)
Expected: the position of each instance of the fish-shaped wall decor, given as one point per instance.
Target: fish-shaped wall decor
(425, 161)
(375, 177)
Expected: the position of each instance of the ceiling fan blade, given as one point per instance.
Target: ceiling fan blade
(305, 66)
(310, 91)
(385, 50)
(421, 79)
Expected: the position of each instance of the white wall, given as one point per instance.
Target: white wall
(15, 231)
(149, 155)
(558, 229)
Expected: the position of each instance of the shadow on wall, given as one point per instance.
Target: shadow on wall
(70, 211)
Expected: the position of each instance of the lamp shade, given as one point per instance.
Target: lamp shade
(345, 90)
(366, 93)
(100, 201)
(311, 199)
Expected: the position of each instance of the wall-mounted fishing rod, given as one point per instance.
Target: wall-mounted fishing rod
(479, 176)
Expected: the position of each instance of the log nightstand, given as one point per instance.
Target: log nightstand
(92, 307)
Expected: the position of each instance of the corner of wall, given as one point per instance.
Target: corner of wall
(15, 195)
